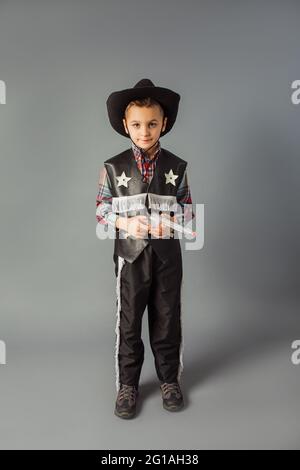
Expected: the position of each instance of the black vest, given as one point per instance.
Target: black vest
(142, 198)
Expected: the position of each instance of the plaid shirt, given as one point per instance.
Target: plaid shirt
(146, 166)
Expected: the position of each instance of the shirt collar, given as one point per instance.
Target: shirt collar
(140, 154)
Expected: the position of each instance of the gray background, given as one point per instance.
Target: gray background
(233, 64)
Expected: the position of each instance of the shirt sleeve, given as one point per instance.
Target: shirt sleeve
(104, 213)
(184, 198)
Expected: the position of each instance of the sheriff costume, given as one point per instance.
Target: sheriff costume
(148, 270)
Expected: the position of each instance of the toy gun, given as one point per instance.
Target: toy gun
(175, 226)
(168, 223)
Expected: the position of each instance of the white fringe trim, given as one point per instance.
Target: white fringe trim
(162, 203)
(181, 367)
(121, 262)
(129, 203)
(137, 202)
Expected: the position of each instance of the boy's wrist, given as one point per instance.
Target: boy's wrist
(121, 223)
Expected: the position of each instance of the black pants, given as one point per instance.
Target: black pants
(148, 282)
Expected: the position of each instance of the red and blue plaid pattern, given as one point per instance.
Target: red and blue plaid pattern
(146, 165)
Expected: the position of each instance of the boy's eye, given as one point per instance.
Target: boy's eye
(151, 124)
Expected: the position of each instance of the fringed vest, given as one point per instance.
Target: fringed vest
(132, 196)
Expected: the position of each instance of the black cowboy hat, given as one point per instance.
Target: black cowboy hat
(118, 100)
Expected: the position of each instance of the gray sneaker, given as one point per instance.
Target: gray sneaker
(126, 401)
(172, 396)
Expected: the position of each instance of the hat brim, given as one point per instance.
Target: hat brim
(117, 102)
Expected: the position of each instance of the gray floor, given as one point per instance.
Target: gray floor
(240, 386)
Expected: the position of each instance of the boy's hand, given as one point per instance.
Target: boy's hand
(136, 226)
(162, 230)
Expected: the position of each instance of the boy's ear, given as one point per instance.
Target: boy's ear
(125, 127)
(165, 123)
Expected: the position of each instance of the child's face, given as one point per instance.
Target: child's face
(144, 125)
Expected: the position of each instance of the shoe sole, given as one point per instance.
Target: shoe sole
(173, 407)
(125, 415)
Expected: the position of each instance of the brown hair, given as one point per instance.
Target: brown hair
(148, 102)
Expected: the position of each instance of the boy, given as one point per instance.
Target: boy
(145, 179)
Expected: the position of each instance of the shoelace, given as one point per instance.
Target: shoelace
(171, 388)
(127, 391)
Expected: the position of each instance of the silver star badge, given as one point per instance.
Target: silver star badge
(170, 177)
(123, 180)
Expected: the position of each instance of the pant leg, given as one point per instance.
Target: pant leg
(164, 318)
(133, 286)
